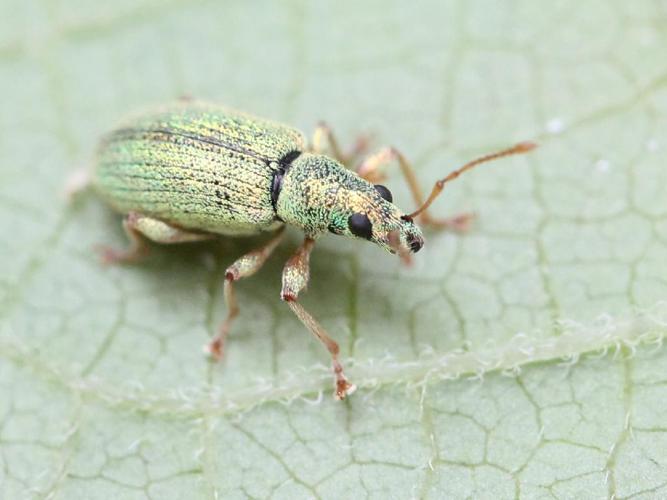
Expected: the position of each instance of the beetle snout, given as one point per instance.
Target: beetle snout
(405, 240)
(415, 242)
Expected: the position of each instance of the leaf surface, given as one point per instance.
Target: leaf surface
(522, 359)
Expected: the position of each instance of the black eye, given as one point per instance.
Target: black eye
(384, 192)
(360, 226)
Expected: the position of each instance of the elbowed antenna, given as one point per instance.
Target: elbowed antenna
(520, 148)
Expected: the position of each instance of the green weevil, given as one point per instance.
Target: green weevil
(193, 171)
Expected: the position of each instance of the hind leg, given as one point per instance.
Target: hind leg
(77, 182)
(139, 228)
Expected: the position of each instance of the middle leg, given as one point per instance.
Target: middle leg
(245, 266)
(295, 279)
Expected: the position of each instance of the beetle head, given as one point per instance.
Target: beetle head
(320, 194)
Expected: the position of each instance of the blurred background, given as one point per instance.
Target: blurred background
(523, 359)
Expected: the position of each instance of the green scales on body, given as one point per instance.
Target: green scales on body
(192, 171)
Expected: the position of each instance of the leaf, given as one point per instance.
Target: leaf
(522, 359)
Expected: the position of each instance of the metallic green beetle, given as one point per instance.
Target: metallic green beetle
(194, 171)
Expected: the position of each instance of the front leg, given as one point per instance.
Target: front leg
(372, 169)
(325, 140)
(295, 279)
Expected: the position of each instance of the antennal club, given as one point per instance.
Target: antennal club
(520, 148)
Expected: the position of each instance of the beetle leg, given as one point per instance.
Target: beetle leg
(295, 279)
(371, 169)
(245, 266)
(324, 136)
(77, 182)
(139, 227)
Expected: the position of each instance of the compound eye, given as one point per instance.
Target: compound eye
(360, 225)
(384, 192)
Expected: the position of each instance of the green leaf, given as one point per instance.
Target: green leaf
(522, 359)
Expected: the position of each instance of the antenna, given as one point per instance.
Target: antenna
(520, 148)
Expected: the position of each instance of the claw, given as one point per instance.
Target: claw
(344, 389)
(214, 349)
(460, 223)
(110, 256)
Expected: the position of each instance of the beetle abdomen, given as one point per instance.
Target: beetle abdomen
(196, 166)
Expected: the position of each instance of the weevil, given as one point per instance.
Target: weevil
(193, 171)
